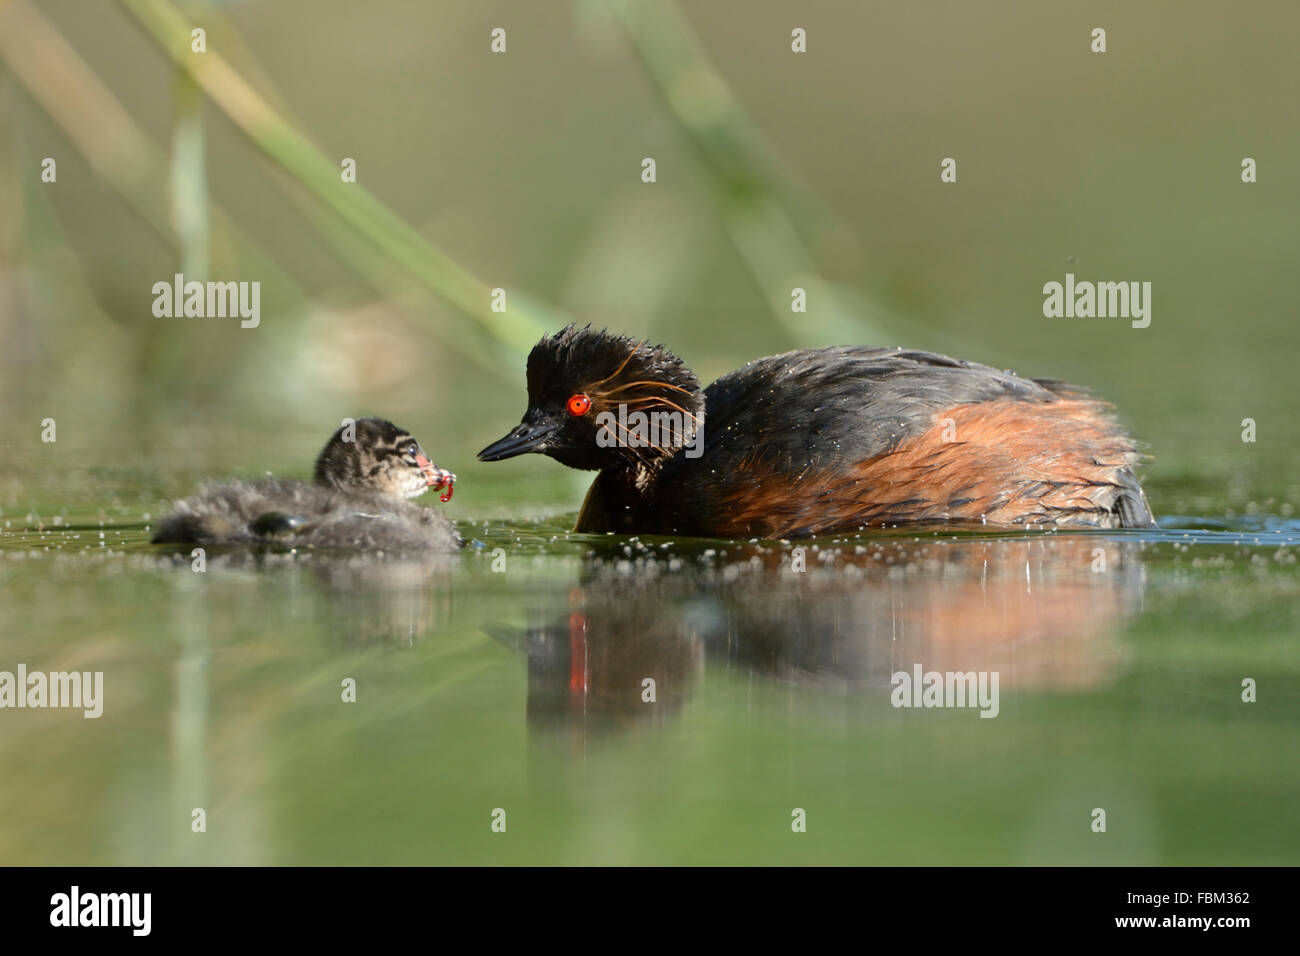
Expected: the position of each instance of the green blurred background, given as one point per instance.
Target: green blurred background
(775, 169)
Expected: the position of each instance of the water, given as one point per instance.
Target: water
(512, 677)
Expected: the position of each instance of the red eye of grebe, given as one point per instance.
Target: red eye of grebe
(579, 405)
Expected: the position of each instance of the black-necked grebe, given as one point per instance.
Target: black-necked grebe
(357, 501)
(820, 441)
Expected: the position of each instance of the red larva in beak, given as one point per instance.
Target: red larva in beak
(437, 477)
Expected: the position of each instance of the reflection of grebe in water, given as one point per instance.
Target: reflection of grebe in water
(1042, 612)
(389, 603)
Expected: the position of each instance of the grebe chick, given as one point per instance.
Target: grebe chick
(357, 501)
(820, 441)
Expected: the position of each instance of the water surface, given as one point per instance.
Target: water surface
(513, 676)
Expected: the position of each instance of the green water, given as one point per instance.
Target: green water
(511, 677)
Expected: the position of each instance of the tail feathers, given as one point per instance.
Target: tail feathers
(1131, 503)
(187, 527)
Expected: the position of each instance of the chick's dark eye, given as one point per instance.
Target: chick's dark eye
(412, 449)
(578, 405)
